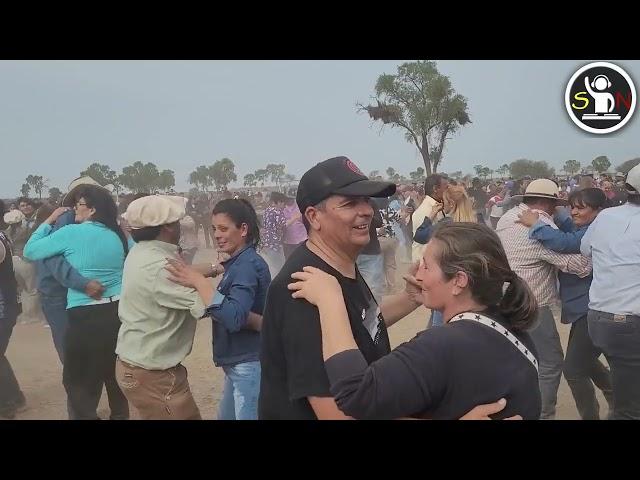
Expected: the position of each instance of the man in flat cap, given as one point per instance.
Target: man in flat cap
(158, 316)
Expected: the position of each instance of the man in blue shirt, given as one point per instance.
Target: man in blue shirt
(614, 302)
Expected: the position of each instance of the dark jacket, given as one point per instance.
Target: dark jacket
(9, 306)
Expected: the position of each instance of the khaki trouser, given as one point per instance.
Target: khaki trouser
(158, 394)
(388, 247)
(26, 279)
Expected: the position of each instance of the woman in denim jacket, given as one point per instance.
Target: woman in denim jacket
(235, 307)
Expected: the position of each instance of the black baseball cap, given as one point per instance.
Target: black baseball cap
(338, 176)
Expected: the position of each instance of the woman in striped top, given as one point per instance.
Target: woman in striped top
(96, 247)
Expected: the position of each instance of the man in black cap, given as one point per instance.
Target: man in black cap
(333, 197)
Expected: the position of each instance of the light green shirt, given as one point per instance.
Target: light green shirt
(158, 316)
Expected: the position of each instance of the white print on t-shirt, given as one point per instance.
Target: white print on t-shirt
(371, 319)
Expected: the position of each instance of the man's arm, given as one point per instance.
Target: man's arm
(209, 270)
(568, 263)
(397, 306)
(65, 274)
(326, 408)
(174, 296)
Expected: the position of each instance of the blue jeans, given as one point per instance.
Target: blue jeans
(372, 270)
(55, 311)
(241, 391)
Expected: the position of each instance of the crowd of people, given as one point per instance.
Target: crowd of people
(309, 284)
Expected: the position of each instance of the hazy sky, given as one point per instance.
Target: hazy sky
(57, 117)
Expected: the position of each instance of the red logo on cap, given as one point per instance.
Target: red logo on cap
(353, 167)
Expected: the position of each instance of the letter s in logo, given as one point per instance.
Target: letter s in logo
(584, 99)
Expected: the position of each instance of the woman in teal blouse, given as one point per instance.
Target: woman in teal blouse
(96, 247)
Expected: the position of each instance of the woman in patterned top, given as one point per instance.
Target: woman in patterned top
(274, 223)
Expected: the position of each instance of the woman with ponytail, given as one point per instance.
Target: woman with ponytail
(96, 247)
(483, 351)
(236, 306)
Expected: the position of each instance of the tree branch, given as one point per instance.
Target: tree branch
(411, 132)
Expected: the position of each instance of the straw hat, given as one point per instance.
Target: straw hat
(542, 188)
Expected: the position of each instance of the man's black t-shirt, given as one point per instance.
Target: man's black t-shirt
(291, 349)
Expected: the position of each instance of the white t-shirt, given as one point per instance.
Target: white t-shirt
(496, 211)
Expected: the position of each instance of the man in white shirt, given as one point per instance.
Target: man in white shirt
(612, 241)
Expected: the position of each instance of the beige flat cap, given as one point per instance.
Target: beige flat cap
(154, 210)
(13, 217)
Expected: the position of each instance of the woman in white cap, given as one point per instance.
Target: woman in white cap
(242, 291)
(96, 247)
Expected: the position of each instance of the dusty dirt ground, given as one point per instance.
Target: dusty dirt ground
(39, 372)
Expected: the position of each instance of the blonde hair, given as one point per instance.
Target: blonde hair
(457, 196)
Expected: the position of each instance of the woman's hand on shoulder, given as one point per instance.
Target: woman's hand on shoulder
(182, 274)
(315, 286)
(56, 214)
